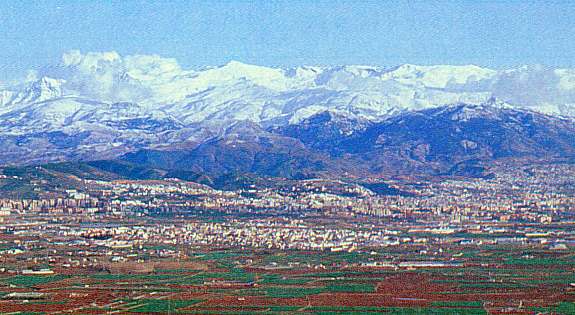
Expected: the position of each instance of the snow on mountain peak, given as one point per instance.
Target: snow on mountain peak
(151, 67)
(39, 90)
(49, 84)
(239, 64)
(441, 76)
(147, 99)
(234, 70)
(278, 95)
(46, 88)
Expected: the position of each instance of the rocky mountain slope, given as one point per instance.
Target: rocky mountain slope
(102, 105)
(459, 139)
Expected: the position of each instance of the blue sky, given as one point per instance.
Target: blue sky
(487, 33)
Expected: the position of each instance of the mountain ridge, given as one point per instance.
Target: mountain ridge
(107, 105)
(455, 140)
(458, 139)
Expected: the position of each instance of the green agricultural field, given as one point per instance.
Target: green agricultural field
(246, 308)
(32, 280)
(329, 279)
(228, 276)
(176, 271)
(220, 255)
(161, 306)
(541, 261)
(561, 308)
(281, 280)
(395, 310)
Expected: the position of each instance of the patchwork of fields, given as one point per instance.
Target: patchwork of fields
(497, 280)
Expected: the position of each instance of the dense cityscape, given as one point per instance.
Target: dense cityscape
(520, 216)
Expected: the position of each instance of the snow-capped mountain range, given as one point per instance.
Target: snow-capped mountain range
(96, 105)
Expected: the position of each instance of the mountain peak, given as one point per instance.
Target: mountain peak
(46, 88)
(47, 83)
(236, 63)
(329, 116)
(43, 89)
(235, 71)
(238, 66)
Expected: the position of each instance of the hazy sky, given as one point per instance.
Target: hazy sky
(488, 33)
